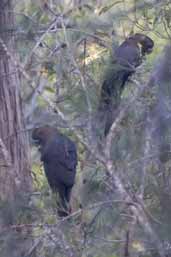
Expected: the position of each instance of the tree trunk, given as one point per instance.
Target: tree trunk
(14, 155)
(15, 175)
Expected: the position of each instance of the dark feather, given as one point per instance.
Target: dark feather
(59, 157)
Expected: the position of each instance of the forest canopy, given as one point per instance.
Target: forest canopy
(67, 54)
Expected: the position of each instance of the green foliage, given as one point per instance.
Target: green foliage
(89, 33)
(15, 217)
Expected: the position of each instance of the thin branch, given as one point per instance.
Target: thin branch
(82, 83)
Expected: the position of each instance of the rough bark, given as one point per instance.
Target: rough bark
(14, 154)
(15, 175)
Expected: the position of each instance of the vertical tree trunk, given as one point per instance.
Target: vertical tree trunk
(14, 154)
(15, 175)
